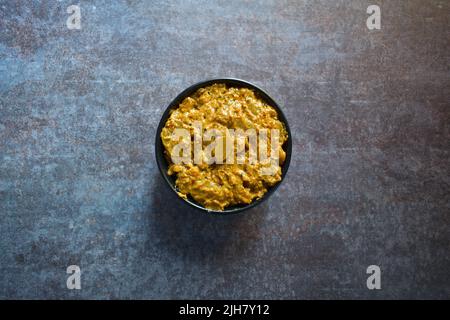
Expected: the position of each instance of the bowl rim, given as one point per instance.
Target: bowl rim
(159, 148)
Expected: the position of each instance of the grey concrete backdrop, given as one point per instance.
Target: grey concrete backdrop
(369, 181)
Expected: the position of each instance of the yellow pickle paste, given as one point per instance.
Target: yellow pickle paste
(218, 186)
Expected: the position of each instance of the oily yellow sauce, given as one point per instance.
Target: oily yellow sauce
(217, 186)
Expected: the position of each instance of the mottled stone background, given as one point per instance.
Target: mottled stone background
(369, 181)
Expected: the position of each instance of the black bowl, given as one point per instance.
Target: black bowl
(159, 148)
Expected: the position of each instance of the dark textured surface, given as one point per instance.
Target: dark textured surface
(369, 178)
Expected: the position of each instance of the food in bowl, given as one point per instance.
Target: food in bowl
(225, 168)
